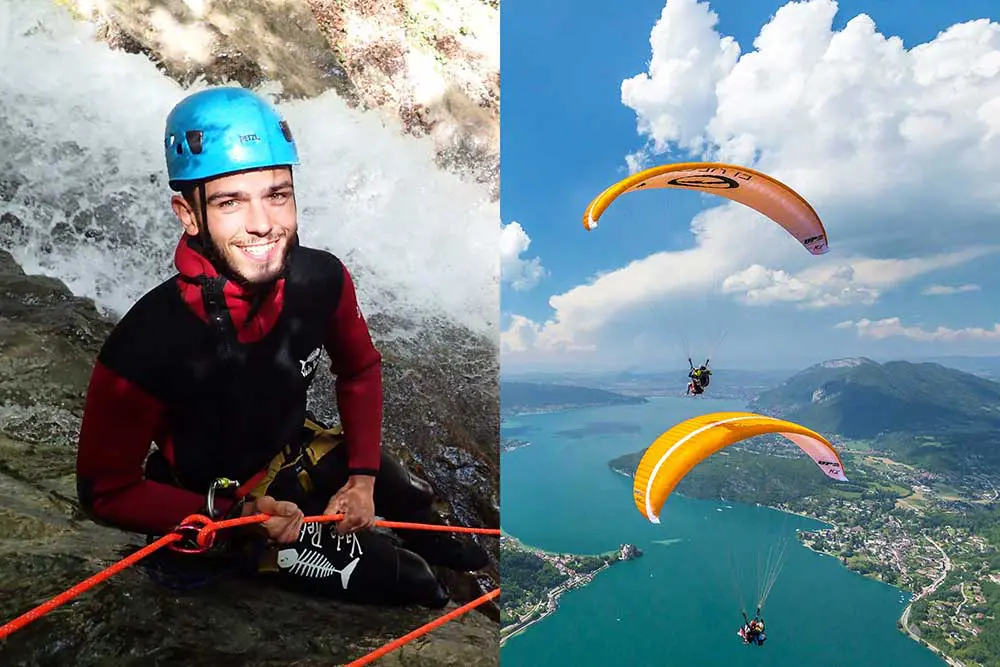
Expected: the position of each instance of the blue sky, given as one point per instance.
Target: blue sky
(883, 137)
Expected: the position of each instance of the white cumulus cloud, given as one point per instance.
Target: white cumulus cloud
(880, 139)
(892, 327)
(522, 274)
(843, 284)
(678, 95)
(519, 336)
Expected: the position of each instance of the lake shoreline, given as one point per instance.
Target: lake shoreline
(550, 604)
(825, 525)
(524, 412)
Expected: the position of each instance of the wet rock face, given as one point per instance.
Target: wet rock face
(129, 621)
(441, 421)
(244, 41)
(48, 340)
(432, 64)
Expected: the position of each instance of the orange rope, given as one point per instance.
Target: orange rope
(205, 538)
(424, 629)
(85, 585)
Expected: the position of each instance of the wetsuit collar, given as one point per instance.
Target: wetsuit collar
(243, 311)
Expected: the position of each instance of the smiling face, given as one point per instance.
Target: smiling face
(251, 221)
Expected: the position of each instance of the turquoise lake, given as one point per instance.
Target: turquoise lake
(678, 604)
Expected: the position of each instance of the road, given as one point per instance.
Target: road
(947, 568)
(958, 610)
(551, 603)
(904, 620)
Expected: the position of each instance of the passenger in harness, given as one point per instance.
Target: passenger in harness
(699, 378)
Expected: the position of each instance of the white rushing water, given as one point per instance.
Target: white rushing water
(81, 165)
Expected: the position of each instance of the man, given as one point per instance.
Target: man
(213, 366)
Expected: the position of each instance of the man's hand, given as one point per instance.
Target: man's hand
(286, 519)
(356, 501)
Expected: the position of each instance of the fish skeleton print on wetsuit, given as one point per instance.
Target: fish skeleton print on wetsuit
(213, 367)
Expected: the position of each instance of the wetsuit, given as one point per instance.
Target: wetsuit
(217, 377)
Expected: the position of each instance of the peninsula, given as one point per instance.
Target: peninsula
(534, 580)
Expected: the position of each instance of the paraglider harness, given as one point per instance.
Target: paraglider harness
(752, 631)
(700, 377)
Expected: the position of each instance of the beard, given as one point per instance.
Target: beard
(247, 271)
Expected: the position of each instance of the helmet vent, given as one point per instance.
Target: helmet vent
(194, 140)
(285, 130)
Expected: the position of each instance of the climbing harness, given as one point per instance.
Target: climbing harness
(198, 532)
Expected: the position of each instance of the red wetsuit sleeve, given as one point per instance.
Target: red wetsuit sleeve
(358, 366)
(119, 424)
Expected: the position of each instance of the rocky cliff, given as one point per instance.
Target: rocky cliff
(435, 64)
(48, 341)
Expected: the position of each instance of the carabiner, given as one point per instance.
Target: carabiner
(220, 483)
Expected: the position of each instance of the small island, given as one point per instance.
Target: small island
(510, 444)
(535, 579)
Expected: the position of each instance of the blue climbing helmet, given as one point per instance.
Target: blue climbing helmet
(224, 130)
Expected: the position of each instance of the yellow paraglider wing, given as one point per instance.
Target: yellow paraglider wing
(678, 450)
(740, 184)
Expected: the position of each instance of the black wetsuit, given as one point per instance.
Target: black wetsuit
(217, 378)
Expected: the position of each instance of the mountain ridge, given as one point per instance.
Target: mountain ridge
(859, 398)
(923, 412)
(529, 396)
